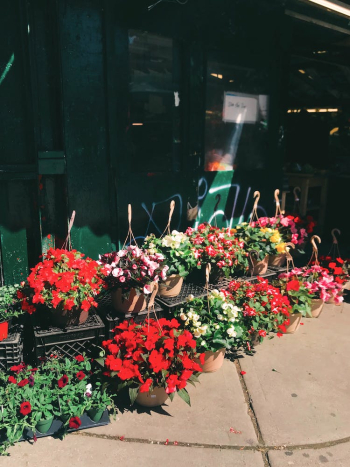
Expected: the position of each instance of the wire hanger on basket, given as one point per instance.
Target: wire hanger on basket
(207, 276)
(334, 251)
(278, 205)
(167, 228)
(255, 208)
(314, 249)
(289, 257)
(130, 236)
(251, 252)
(68, 241)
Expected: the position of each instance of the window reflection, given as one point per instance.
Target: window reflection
(236, 118)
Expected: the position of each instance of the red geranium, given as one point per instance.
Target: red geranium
(80, 375)
(23, 383)
(74, 423)
(293, 285)
(79, 358)
(153, 354)
(12, 380)
(25, 408)
(63, 381)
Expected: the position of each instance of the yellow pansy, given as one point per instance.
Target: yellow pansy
(281, 248)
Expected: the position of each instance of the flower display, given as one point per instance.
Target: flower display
(317, 281)
(176, 250)
(156, 354)
(10, 304)
(263, 306)
(220, 248)
(133, 268)
(63, 279)
(337, 267)
(299, 296)
(263, 240)
(215, 321)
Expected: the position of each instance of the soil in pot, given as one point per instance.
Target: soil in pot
(277, 260)
(316, 308)
(259, 267)
(134, 304)
(171, 287)
(44, 425)
(213, 360)
(95, 414)
(4, 330)
(64, 318)
(294, 323)
(152, 399)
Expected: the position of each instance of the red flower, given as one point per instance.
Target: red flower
(79, 358)
(279, 334)
(62, 382)
(262, 333)
(25, 408)
(145, 386)
(202, 358)
(293, 285)
(340, 261)
(12, 380)
(332, 265)
(338, 271)
(80, 375)
(113, 364)
(85, 306)
(74, 423)
(23, 383)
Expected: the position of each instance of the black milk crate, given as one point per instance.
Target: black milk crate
(11, 351)
(57, 425)
(71, 341)
(269, 275)
(111, 318)
(187, 289)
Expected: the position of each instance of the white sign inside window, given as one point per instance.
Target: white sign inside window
(240, 108)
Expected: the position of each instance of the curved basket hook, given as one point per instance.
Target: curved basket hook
(295, 191)
(278, 207)
(257, 197)
(313, 243)
(335, 240)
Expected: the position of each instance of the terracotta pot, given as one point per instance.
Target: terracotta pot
(332, 302)
(4, 330)
(152, 399)
(213, 360)
(74, 317)
(277, 260)
(134, 304)
(171, 287)
(259, 267)
(255, 339)
(294, 323)
(316, 308)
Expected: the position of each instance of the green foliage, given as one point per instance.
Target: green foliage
(9, 303)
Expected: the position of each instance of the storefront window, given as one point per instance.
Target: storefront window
(237, 108)
(154, 120)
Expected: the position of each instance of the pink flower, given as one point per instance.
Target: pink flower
(263, 221)
(285, 221)
(189, 231)
(147, 289)
(134, 266)
(295, 238)
(121, 279)
(117, 272)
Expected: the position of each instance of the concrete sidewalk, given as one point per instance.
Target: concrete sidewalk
(291, 408)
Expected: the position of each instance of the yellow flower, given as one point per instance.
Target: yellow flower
(281, 248)
(275, 238)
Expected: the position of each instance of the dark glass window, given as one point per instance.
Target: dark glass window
(154, 103)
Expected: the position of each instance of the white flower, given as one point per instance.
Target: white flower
(88, 391)
(183, 316)
(203, 329)
(231, 332)
(190, 314)
(203, 343)
(196, 333)
(220, 317)
(232, 320)
(189, 298)
(217, 327)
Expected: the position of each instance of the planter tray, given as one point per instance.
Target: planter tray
(68, 342)
(86, 423)
(11, 351)
(111, 318)
(186, 290)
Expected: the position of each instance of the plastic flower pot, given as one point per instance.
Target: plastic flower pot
(95, 414)
(64, 318)
(316, 308)
(294, 323)
(44, 425)
(171, 287)
(277, 260)
(4, 330)
(134, 304)
(259, 267)
(213, 360)
(152, 399)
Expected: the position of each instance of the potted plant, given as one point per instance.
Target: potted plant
(220, 248)
(154, 360)
(299, 297)
(264, 308)
(66, 284)
(337, 267)
(216, 323)
(130, 275)
(9, 308)
(179, 260)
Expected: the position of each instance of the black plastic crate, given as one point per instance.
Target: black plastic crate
(186, 290)
(111, 318)
(68, 342)
(11, 351)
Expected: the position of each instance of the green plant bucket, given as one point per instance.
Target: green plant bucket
(44, 425)
(95, 414)
(64, 417)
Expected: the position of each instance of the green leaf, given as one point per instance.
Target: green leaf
(184, 396)
(133, 393)
(100, 361)
(171, 396)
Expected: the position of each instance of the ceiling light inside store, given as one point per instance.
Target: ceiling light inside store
(216, 75)
(290, 111)
(302, 72)
(339, 7)
(137, 124)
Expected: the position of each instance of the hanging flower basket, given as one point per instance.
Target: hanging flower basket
(213, 361)
(171, 287)
(132, 303)
(277, 260)
(154, 398)
(294, 323)
(316, 308)
(258, 268)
